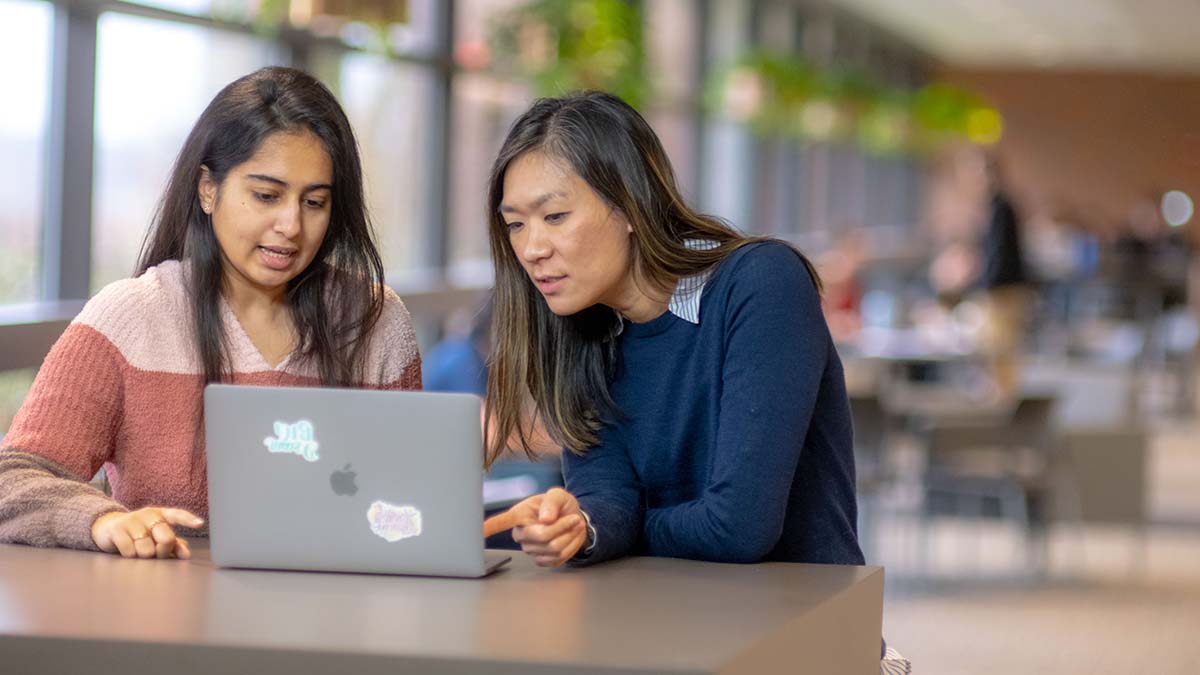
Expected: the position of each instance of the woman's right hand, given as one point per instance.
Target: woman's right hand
(145, 533)
(549, 527)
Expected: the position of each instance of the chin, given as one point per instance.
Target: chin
(561, 307)
(272, 279)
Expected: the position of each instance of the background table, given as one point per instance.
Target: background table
(78, 612)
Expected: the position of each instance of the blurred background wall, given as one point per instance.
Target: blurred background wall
(1094, 143)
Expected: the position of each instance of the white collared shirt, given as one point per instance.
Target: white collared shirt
(685, 300)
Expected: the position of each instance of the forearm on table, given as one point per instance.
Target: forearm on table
(42, 504)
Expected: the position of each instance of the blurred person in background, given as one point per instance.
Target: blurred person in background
(1002, 284)
(459, 362)
(841, 269)
(1138, 290)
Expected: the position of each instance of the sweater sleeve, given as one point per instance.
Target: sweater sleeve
(42, 504)
(777, 345)
(608, 490)
(59, 439)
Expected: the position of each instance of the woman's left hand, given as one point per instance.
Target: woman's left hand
(549, 527)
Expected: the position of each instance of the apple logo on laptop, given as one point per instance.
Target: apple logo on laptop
(342, 481)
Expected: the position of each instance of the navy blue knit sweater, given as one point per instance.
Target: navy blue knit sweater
(734, 442)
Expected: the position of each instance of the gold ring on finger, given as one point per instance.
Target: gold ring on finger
(151, 526)
(142, 535)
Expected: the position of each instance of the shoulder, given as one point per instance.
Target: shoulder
(159, 288)
(767, 269)
(393, 352)
(395, 314)
(146, 318)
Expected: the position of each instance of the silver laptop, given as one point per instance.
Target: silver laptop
(346, 480)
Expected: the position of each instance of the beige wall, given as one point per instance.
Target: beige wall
(1094, 143)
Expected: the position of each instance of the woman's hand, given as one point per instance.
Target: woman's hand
(145, 533)
(549, 527)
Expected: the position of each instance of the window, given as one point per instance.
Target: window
(25, 70)
(153, 79)
(484, 107)
(386, 102)
(674, 73)
(14, 384)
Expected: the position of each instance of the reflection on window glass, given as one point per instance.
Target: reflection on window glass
(153, 79)
(14, 384)
(25, 71)
(387, 103)
(484, 108)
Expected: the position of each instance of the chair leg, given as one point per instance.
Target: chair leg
(924, 538)
(1139, 559)
(1013, 504)
(972, 507)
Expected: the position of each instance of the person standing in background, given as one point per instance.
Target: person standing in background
(1002, 284)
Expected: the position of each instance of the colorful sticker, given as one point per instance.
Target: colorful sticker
(294, 439)
(392, 522)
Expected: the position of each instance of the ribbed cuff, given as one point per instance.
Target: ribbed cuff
(73, 521)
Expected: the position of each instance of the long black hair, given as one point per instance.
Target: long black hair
(336, 301)
(556, 369)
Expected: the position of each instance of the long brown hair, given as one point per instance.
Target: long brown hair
(555, 369)
(336, 301)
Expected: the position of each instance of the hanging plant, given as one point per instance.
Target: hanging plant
(886, 126)
(787, 95)
(846, 96)
(362, 24)
(764, 90)
(567, 45)
(943, 112)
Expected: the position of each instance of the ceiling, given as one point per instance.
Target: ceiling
(1143, 35)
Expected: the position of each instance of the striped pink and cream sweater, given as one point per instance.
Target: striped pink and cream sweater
(122, 389)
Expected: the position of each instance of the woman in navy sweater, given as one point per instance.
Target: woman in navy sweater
(685, 368)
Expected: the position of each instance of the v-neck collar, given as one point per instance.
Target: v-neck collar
(242, 350)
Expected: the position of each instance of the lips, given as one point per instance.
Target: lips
(276, 257)
(549, 284)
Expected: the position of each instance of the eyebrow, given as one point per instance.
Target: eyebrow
(283, 183)
(505, 208)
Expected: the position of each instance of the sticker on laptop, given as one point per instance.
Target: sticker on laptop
(293, 439)
(392, 522)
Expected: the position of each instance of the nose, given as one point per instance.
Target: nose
(533, 242)
(288, 222)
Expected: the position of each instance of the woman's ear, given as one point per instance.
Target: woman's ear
(207, 189)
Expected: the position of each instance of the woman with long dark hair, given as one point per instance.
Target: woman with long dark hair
(260, 268)
(685, 368)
